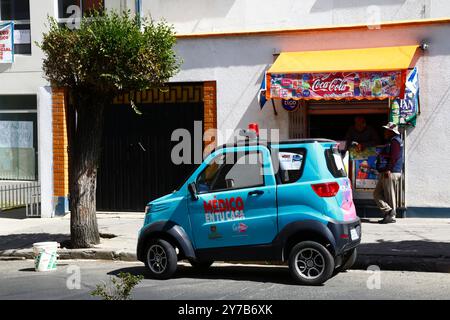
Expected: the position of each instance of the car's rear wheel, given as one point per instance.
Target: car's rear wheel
(201, 265)
(161, 259)
(310, 263)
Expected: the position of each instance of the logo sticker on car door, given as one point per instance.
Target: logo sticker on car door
(229, 209)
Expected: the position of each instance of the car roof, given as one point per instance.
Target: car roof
(268, 144)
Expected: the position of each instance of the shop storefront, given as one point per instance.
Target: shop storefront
(326, 91)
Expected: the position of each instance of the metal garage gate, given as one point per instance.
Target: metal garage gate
(136, 165)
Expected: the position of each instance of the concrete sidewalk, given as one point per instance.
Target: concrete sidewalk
(410, 244)
(413, 244)
(18, 235)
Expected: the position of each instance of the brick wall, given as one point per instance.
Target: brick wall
(210, 105)
(60, 156)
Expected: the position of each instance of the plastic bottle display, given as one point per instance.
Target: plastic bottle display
(356, 90)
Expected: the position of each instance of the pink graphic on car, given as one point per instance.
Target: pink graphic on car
(347, 204)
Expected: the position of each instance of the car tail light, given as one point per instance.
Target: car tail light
(324, 190)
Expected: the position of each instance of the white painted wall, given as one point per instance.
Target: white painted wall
(198, 16)
(45, 159)
(238, 64)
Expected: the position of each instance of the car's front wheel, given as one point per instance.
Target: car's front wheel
(161, 259)
(310, 263)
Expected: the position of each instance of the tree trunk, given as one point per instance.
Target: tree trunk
(85, 124)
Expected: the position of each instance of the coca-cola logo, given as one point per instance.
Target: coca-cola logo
(335, 85)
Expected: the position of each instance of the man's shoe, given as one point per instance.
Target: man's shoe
(387, 219)
(382, 221)
(391, 220)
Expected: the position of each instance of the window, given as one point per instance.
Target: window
(18, 11)
(18, 138)
(86, 6)
(229, 171)
(335, 163)
(291, 163)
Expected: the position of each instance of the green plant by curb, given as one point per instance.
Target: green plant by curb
(118, 288)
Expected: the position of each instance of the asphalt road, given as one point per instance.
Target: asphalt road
(18, 280)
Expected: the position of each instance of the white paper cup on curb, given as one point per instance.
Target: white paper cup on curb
(45, 256)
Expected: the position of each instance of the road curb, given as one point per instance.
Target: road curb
(403, 263)
(364, 261)
(75, 254)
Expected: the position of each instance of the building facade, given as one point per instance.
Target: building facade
(226, 47)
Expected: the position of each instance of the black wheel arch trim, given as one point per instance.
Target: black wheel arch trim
(297, 227)
(170, 228)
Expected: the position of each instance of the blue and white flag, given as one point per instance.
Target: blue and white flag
(404, 111)
(262, 93)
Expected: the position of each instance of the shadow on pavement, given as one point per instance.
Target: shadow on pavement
(279, 275)
(26, 240)
(19, 214)
(407, 255)
(408, 248)
(373, 221)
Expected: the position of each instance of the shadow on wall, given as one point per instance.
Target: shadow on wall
(326, 5)
(5, 67)
(190, 10)
(244, 109)
(224, 52)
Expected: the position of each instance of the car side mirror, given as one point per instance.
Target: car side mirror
(193, 190)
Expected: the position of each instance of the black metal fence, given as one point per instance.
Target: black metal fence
(19, 195)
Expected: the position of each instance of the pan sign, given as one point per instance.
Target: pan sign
(290, 105)
(7, 42)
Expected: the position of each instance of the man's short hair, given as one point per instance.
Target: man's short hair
(360, 118)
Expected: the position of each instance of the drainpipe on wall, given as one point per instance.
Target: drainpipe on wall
(138, 8)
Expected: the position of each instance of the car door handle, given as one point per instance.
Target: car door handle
(255, 193)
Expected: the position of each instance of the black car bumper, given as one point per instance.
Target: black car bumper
(346, 234)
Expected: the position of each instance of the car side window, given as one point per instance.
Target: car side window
(291, 162)
(233, 170)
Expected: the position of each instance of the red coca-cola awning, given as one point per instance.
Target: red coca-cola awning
(375, 73)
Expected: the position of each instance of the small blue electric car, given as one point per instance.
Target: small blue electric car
(289, 201)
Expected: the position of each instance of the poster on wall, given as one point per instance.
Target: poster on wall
(337, 85)
(7, 42)
(366, 173)
(364, 162)
(404, 111)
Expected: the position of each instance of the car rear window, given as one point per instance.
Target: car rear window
(335, 163)
(290, 163)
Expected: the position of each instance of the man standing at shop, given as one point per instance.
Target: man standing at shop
(389, 165)
(360, 135)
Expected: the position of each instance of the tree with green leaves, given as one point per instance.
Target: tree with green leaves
(109, 54)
